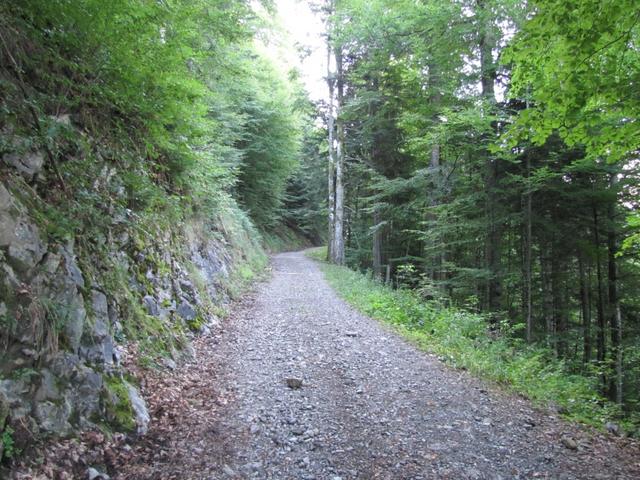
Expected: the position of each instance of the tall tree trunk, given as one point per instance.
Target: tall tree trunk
(547, 302)
(527, 257)
(486, 44)
(331, 183)
(601, 333)
(615, 320)
(600, 342)
(338, 243)
(377, 244)
(585, 309)
(560, 328)
(436, 259)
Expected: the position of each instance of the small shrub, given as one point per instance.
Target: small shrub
(9, 449)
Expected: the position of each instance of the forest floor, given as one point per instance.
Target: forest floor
(298, 385)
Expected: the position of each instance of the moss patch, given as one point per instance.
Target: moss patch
(117, 405)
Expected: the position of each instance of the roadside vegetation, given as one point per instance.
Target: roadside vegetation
(460, 337)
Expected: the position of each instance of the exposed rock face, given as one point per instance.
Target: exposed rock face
(28, 164)
(19, 237)
(4, 413)
(186, 311)
(60, 324)
(140, 409)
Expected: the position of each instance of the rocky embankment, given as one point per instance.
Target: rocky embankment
(68, 303)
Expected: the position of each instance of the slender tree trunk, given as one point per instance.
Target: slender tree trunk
(331, 184)
(585, 309)
(338, 244)
(614, 314)
(558, 305)
(619, 353)
(436, 238)
(600, 343)
(601, 333)
(435, 259)
(527, 257)
(377, 244)
(547, 303)
(435, 156)
(486, 44)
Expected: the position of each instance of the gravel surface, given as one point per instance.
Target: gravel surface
(369, 405)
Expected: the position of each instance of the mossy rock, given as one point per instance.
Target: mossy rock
(117, 405)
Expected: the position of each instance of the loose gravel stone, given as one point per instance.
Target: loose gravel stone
(371, 406)
(376, 407)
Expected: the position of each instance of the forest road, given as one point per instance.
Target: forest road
(370, 406)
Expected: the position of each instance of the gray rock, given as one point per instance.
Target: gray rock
(569, 443)
(51, 263)
(7, 229)
(28, 164)
(151, 305)
(117, 356)
(53, 417)
(26, 249)
(188, 352)
(85, 392)
(169, 363)
(294, 383)
(100, 312)
(93, 474)
(75, 316)
(65, 365)
(100, 352)
(186, 286)
(16, 393)
(48, 389)
(612, 428)
(5, 198)
(139, 408)
(8, 278)
(98, 347)
(71, 265)
(186, 311)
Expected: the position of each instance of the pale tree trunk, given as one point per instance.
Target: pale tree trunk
(528, 274)
(377, 244)
(435, 157)
(332, 161)
(585, 309)
(486, 43)
(338, 243)
(547, 304)
(435, 98)
(601, 342)
(440, 255)
(527, 256)
(601, 331)
(614, 314)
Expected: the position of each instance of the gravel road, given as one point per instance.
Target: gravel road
(370, 406)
